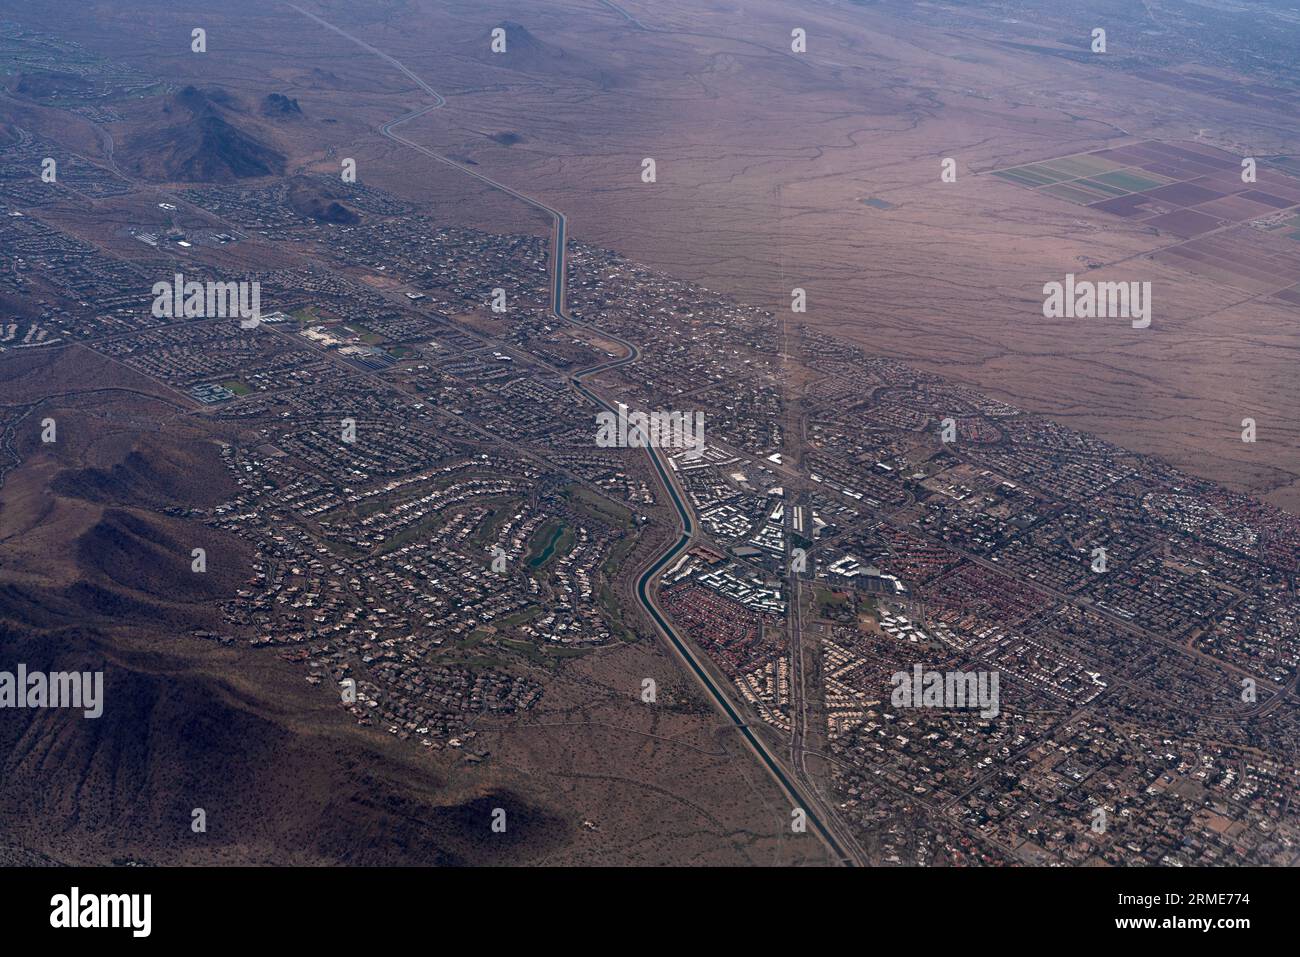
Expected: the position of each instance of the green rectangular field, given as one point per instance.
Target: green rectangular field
(1073, 167)
(1019, 179)
(1098, 186)
(1289, 163)
(1074, 194)
(1032, 175)
(1131, 181)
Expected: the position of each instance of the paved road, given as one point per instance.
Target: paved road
(645, 588)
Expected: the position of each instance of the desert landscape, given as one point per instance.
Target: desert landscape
(913, 174)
